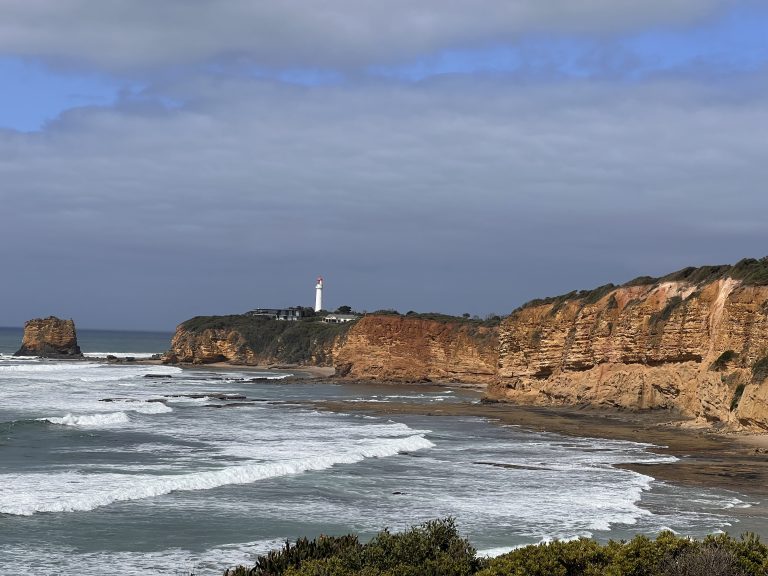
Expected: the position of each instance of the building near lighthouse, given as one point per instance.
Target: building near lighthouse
(295, 313)
(340, 318)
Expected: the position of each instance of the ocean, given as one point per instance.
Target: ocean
(132, 468)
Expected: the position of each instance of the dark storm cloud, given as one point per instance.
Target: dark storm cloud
(458, 195)
(130, 35)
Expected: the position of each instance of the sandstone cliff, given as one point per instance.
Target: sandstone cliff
(400, 348)
(695, 342)
(51, 338)
(253, 340)
(377, 347)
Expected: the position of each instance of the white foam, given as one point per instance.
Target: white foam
(137, 355)
(109, 419)
(146, 407)
(48, 366)
(27, 494)
(495, 552)
(16, 559)
(187, 400)
(106, 420)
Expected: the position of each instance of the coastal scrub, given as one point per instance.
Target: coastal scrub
(436, 549)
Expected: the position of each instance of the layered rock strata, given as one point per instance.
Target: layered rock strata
(377, 347)
(694, 342)
(254, 341)
(399, 348)
(50, 338)
(698, 349)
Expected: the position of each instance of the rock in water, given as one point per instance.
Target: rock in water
(50, 338)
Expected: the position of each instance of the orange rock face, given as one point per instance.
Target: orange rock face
(49, 337)
(696, 348)
(643, 347)
(374, 348)
(399, 348)
(213, 345)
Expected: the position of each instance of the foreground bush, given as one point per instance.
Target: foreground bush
(668, 555)
(431, 549)
(436, 549)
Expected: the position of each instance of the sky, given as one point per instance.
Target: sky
(162, 160)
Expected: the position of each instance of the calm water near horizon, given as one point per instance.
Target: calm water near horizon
(99, 341)
(104, 467)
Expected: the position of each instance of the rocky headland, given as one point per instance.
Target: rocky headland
(381, 347)
(50, 338)
(694, 343)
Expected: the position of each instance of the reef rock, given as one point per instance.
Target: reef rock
(50, 338)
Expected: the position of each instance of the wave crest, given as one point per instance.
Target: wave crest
(75, 491)
(90, 420)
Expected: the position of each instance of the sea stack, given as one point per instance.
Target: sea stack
(50, 338)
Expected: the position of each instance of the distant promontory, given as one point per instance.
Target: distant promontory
(50, 338)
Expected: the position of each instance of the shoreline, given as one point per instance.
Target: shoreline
(705, 459)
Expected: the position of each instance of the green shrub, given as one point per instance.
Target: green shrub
(431, 549)
(709, 559)
(750, 271)
(556, 558)
(642, 556)
(667, 555)
(291, 342)
(436, 549)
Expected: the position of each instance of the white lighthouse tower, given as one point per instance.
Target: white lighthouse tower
(319, 294)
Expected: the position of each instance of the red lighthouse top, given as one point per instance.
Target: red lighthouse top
(319, 279)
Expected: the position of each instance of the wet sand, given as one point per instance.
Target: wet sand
(730, 462)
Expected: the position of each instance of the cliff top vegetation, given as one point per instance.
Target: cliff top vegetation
(298, 342)
(750, 271)
(489, 321)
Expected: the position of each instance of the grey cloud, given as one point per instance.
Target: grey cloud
(464, 194)
(129, 35)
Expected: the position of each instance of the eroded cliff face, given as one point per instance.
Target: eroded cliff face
(212, 345)
(695, 342)
(377, 347)
(695, 348)
(50, 338)
(255, 341)
(399, 348)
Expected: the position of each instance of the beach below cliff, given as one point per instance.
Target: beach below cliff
(729, 461)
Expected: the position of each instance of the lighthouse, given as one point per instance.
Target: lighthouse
(319, 294)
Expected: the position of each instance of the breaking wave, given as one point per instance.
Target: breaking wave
(90, 421)
(108, 419)
(27, 494)
(137, 355)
